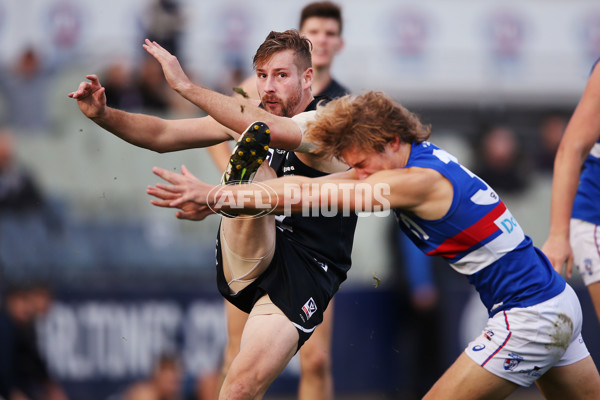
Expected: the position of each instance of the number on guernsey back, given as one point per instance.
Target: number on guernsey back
(482, 197)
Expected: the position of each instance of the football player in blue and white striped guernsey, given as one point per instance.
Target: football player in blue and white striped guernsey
(533, 333)
(575, 211)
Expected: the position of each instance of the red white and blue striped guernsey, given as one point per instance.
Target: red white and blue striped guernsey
(480, 238)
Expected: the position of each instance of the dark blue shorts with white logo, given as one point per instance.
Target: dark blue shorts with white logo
(297, 282)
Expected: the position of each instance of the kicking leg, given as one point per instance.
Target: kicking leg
(248, 243)
(316, 378)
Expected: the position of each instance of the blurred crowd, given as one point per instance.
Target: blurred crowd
(24, 373)
(508, 153)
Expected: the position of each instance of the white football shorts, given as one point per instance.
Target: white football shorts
(521, 344)
(585, 242)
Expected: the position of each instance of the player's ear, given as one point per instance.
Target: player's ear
(395, 144)
(307, 78)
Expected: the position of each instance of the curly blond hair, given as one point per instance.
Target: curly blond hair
(367, 122)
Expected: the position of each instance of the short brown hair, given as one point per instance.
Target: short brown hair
(367, 122)
(280, 41)
(321, 9)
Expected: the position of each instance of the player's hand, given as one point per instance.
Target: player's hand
(189, 210)
(90, 97)
(174, 74)
(559, 252)
(184, 188)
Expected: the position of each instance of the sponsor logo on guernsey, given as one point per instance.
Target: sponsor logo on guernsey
(508, 223)
(288, 169)
(309, 308)
(510, 237)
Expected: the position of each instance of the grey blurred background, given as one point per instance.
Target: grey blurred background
(498, 81)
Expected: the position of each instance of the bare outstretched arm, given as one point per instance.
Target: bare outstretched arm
(186, 210)
(145, 130)
(229, 111)
(582, 132)
(422, 191)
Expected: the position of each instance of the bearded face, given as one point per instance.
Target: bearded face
(280, 84)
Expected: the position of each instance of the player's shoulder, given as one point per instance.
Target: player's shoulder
(303, 118)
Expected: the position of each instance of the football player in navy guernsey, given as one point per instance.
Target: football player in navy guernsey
(321, 23)
(533, 333)
(575, 209)
(285, 272)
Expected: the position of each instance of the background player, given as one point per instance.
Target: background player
(575, 210)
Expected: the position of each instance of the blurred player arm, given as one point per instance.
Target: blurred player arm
(423, 191)
(147, 131)
(582, 132)
(235, 113)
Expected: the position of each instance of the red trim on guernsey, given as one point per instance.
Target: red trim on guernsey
(468, 238)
